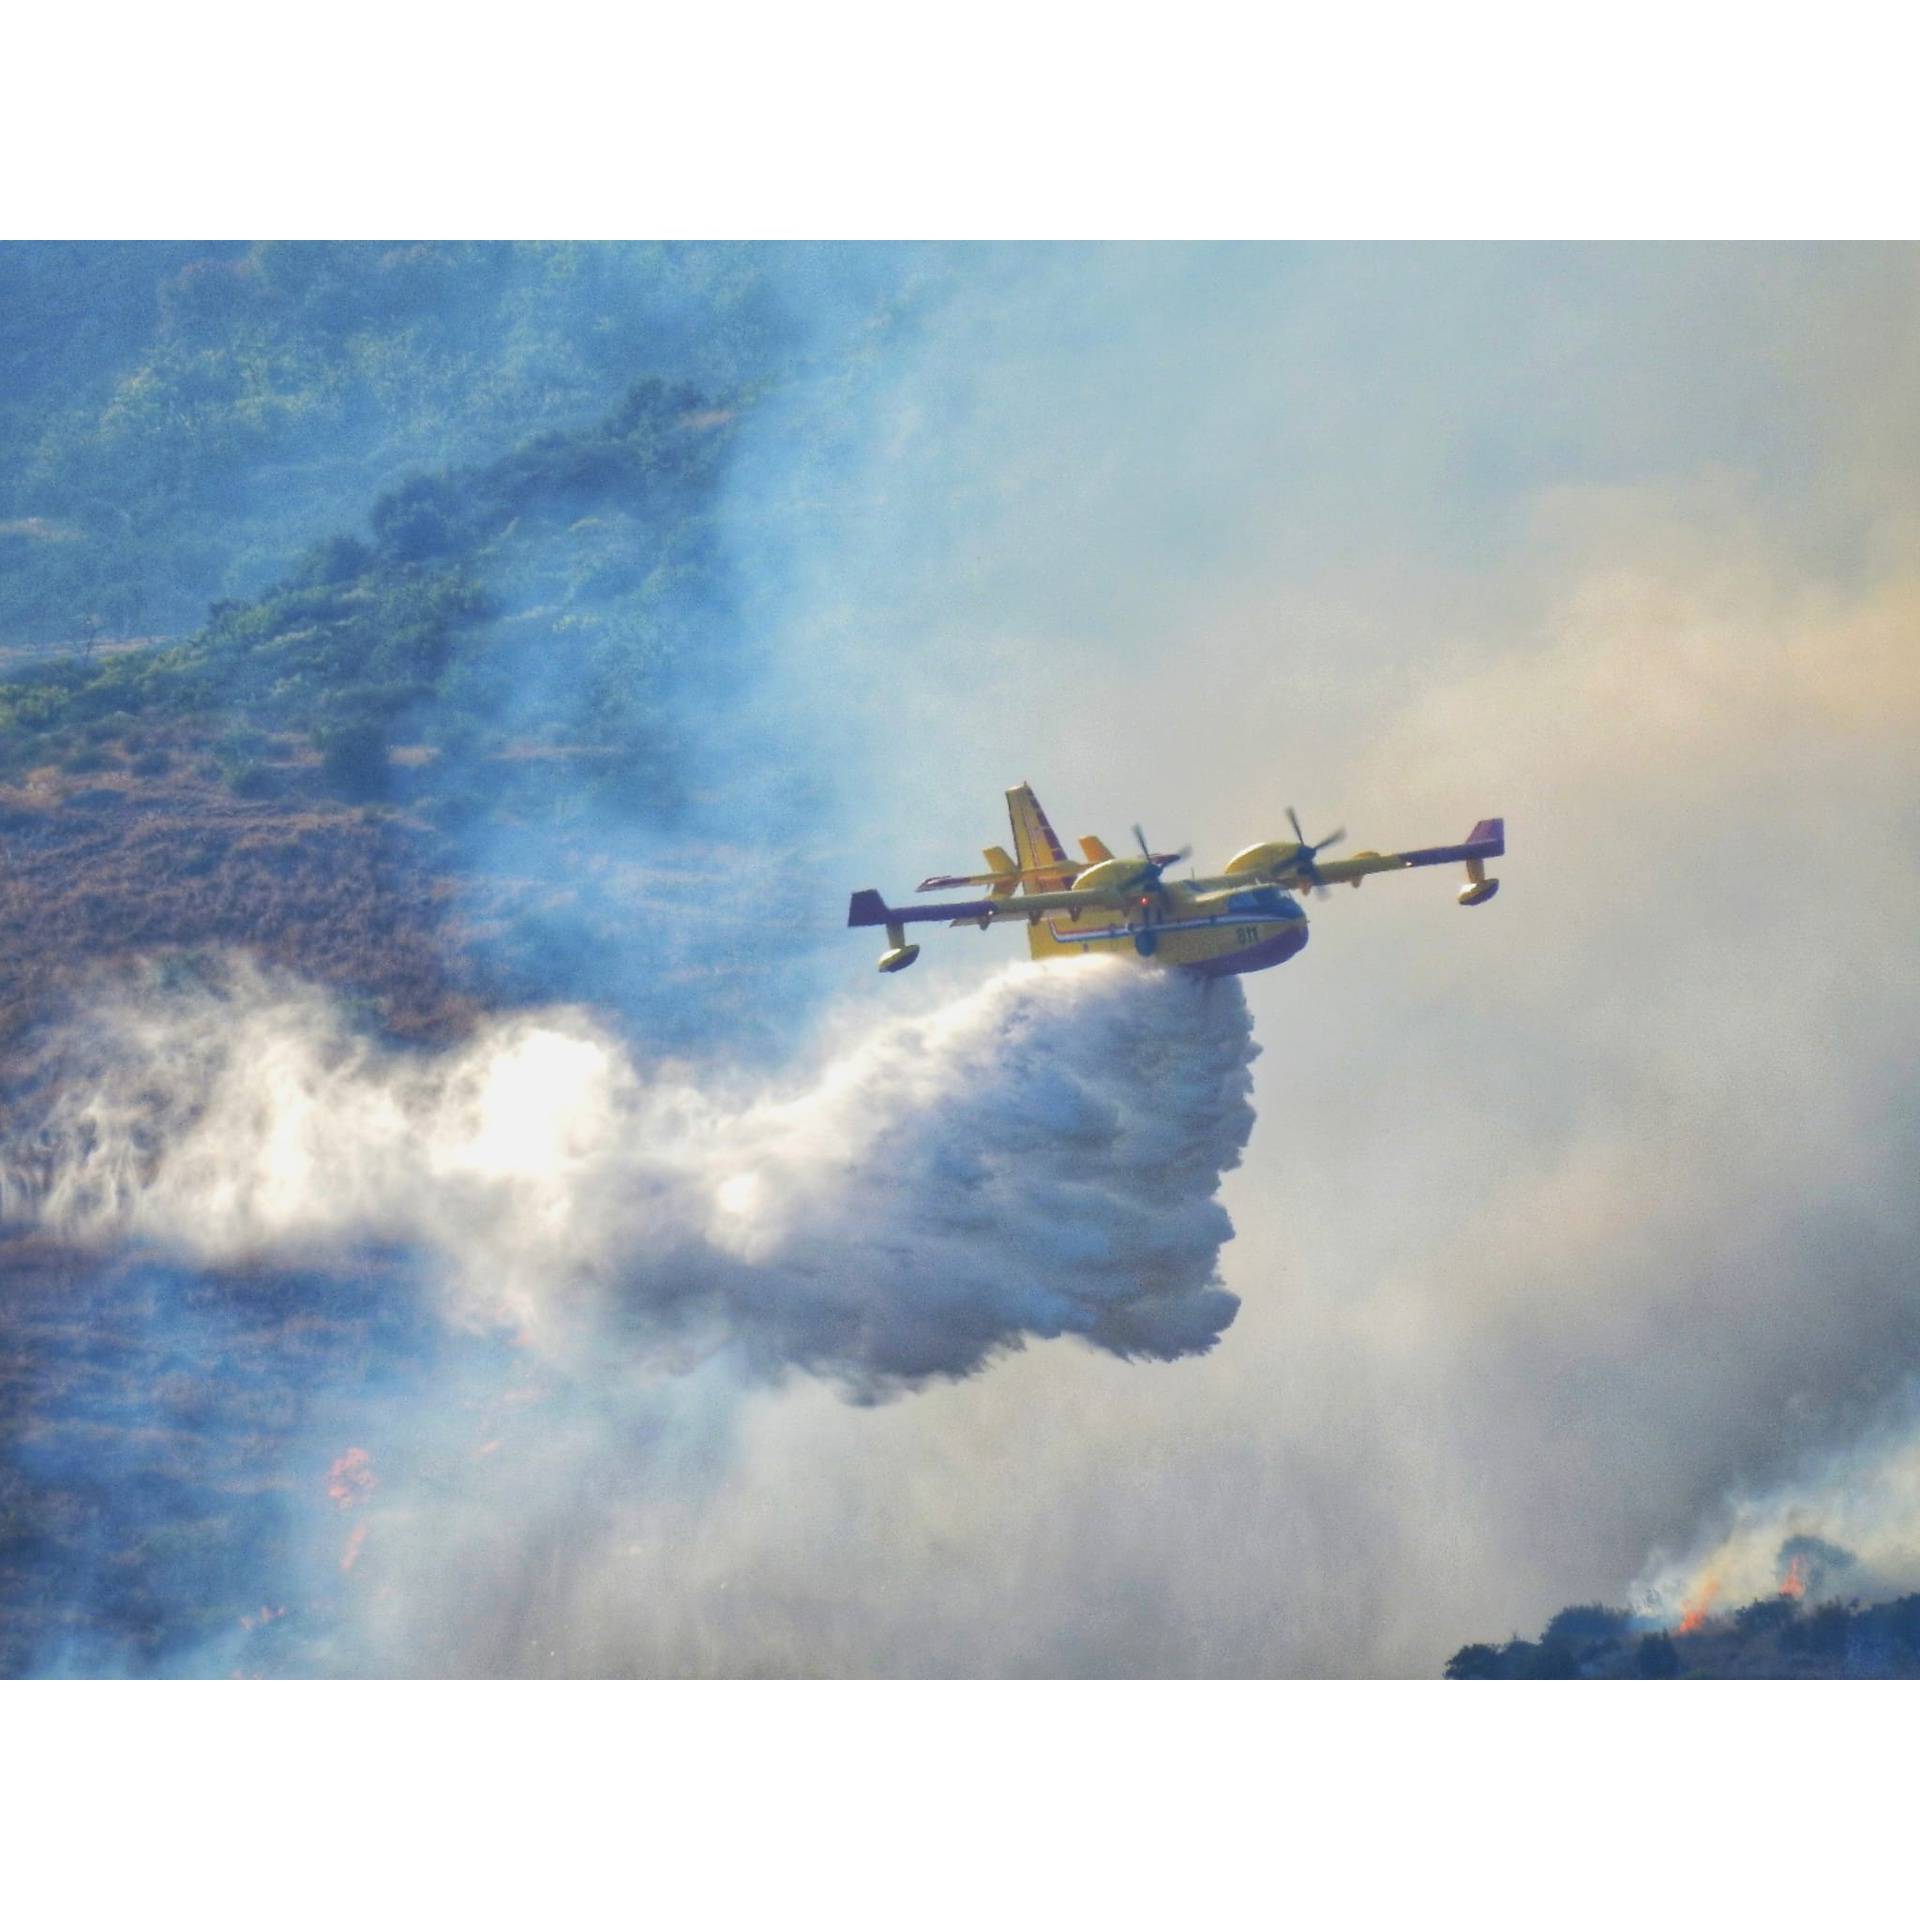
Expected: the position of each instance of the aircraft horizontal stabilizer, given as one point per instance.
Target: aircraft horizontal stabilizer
(868, 909)
(1002, 879)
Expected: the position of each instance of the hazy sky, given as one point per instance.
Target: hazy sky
(1562, 1221)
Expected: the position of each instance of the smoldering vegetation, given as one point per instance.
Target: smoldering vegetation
(168, 1435)
(1782, 1637)
(1841, 1526)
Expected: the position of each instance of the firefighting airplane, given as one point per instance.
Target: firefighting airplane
(1233, 922)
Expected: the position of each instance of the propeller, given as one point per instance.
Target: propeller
(1157, 864)
(1304, 860)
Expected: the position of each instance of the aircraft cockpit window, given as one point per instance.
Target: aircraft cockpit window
(1260, 900)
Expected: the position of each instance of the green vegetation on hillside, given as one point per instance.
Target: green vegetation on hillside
(178, 421)
(557, 600)
(380, 609)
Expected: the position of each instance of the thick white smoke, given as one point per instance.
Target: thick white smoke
(1037, 1158)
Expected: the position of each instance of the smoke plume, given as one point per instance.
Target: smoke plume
(1844, 1525)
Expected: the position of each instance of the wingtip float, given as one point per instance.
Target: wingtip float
(1239, 920)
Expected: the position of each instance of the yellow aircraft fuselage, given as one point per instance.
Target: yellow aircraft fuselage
(1184, 923)
(1180, 925)
(1237, 921)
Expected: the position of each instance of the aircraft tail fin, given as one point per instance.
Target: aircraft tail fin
(1095, 849)
(1001, 862)
(1036, 847)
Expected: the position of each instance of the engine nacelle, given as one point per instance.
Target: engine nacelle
(1268, 857)
(1111, 875)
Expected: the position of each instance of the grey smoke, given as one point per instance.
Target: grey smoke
(1564, 1223)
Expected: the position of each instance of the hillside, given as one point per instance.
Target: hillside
(181, 420)
(440, 760)
(370, 611)
(394, 606)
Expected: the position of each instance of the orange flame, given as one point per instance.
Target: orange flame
(1696, 1614)
(351, 1478)
(1793, 1583)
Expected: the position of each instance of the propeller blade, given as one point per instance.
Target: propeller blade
(1332, 840)
(1140, 840)
(1299, 834)
(1172, 859)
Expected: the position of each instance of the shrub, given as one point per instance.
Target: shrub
(252, 780)
(1656, 1658)
(1586, 1623)
(353, 759)
(1551, 1660)
(419, 519)
(1476, 1662)
(1765, 1616)
(333, 562)
(1827, 1630)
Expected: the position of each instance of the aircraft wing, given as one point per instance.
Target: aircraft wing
(1487, 841)
(869, 909)
(1332, 872)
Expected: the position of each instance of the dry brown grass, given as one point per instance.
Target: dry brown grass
(103, 866)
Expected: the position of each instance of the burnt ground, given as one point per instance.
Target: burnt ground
(166, 1453)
